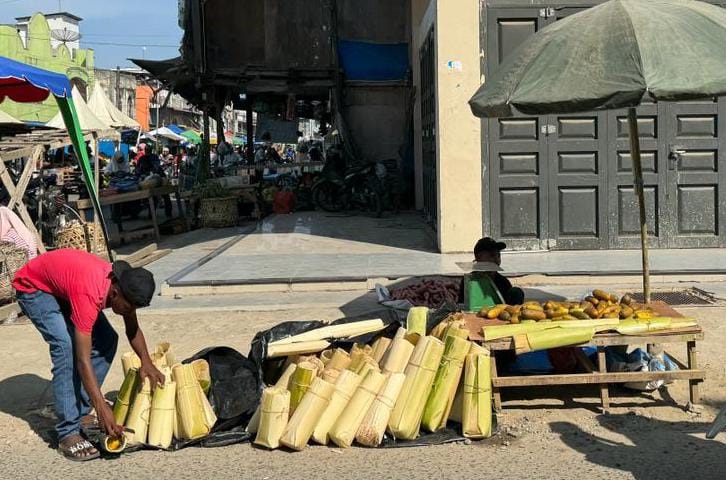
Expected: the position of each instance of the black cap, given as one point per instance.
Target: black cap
(488, 244)
(136, 284)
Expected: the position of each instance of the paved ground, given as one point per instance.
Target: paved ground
(560, 436)
(311, 246)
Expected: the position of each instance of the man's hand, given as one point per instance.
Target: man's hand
(106, 420)
(148, 370)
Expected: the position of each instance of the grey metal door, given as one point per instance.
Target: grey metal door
(577, 154)
(516, 166)
(577, 159)
(623, 210)
(427, 57)
(696, 177)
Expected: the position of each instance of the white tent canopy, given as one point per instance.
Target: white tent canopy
(166, 133)
(107, 112)
(86, 118)
(7, 119)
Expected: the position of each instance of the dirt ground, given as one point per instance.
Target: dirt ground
(555, 434)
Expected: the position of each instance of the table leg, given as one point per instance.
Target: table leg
(695, 395)
(152, 211)
(180, 207)
(496, 395)
(602, 368)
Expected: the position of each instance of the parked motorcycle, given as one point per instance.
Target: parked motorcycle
(358, 188)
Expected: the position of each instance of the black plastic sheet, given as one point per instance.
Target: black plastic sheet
(269, 369)
(235, 388)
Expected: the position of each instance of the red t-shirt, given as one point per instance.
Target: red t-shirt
(78, 277)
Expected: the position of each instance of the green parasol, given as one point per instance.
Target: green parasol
(192, 136)
(613, 56)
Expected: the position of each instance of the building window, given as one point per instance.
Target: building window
(130, 107)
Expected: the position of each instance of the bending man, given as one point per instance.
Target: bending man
(64, 293)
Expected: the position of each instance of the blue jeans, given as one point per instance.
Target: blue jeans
(53, 322)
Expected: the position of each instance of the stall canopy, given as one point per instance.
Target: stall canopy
(10, 125)
(176, 129)
(7, 119)
(27, 84)
(88, 121)
(166, 133)
(192, 136)
(107, 112)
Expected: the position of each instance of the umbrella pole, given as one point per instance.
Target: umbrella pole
(638, 174)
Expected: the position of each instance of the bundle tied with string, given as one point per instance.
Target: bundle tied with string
(476, 415)
(302, 423)
(374, 424)
(274, 414)
(345, 428)
(420, 372)
(163, 411)
(443, 391)
(346, 384)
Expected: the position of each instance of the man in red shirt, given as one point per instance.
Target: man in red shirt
(64, 293)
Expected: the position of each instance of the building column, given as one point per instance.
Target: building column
(458, 149)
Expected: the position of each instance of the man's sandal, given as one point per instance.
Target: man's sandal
(80, 451)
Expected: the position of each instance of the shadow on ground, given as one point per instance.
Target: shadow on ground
(647, 448)
(28, 398)
(563, 397)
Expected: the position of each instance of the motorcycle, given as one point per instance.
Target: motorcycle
(357, 188)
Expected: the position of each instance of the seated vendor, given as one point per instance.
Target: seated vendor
(489, 250)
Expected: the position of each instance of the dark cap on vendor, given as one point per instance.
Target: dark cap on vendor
(489, 250)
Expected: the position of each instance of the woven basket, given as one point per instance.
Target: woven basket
(218, 212)
(78, 236)
(12, 258)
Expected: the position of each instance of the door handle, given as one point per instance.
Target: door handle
(674, 156)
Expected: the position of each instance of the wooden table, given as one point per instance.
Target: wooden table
(139, 195)
(598, 374)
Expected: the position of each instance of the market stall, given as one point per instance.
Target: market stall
(663, 325)
(147, 196)
(382, 380)
(29, 148)
(106, 111)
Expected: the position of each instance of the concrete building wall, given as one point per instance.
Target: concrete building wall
(458, 132)
(381, 21)
(124, 97)
(376, 116)
(37, 51)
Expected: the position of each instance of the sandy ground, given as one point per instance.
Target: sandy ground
(561, 435)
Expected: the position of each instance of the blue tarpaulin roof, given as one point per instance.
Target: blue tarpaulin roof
(374, 62)
(176, 129)
(25, 83)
